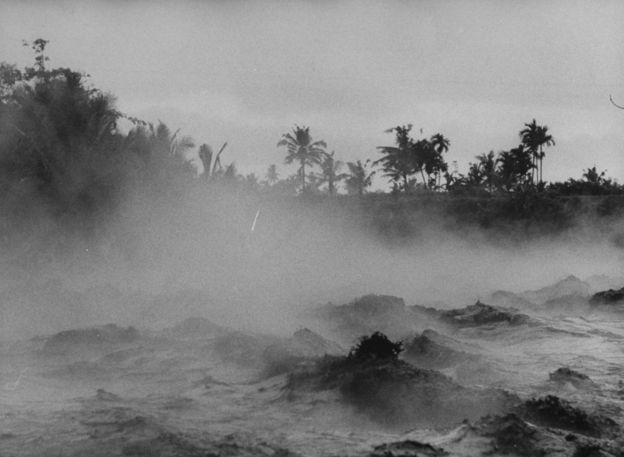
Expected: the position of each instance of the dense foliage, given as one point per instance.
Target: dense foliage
(62, 156)
(66, 167)
(376, 346)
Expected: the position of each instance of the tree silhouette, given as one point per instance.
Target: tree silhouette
(59, 137)
(359, 178)
(271, 175)
(301, 148)
(487, 169)
(408, 157)
(330, 172)
(514, 167)
(399, 162)
(535, 137)
(434, 163)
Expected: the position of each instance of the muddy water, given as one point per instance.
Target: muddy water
(186, 392)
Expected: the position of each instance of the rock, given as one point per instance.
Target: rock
(395, 393)
(90, 337)
(303, 346)
(570, 286)
(433, 350)
(367, 314)
(242, 349)
(482, 314)
(552, 411)
(510, 300)
(565, 375)
(407, 448)
(103, 395)
(608, 297)
(511, 435)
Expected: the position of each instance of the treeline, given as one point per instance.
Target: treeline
(62, 156)
(64, 159)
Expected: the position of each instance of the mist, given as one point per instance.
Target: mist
(162, 262)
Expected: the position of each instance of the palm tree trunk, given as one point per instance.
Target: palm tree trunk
(302, 177)
(422, 173)
(541, 162)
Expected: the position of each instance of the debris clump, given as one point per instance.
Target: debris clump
(375, 347)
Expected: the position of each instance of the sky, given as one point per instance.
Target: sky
(246, 72)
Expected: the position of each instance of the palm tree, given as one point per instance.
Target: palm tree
(399, 162)
(528, 135)
(435, 163)
(205, 155)
(301, 148)
(330, 172)
(545, 139)
(535, 137)
(514, 166)
(440, 143)
(271, 175)
(487, 168)
(359, 177)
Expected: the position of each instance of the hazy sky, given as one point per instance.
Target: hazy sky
(247, 71)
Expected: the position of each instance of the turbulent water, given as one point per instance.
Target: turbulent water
(201, 389)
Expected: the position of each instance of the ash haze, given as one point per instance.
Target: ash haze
(245, 72)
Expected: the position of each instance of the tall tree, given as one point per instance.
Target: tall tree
(514, 167)
(359, 177)
(59, 136)
(303, 149)
(330, 172)
(535, 137)
(399, 162)
(271, 175)
(434, 163)
(483, 171)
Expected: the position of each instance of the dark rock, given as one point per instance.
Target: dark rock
(552, 411)
(433, 350)
(242, 348)
(368, 314)
(482, 314)
(512, 435)
(303, 346)
(395, 393)
(407, 448)
(566, 375)
(94, 336)
(103, 395)
(608, 297)
(589, 450)
(509, 299)
(570, 286)
(375, 347)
